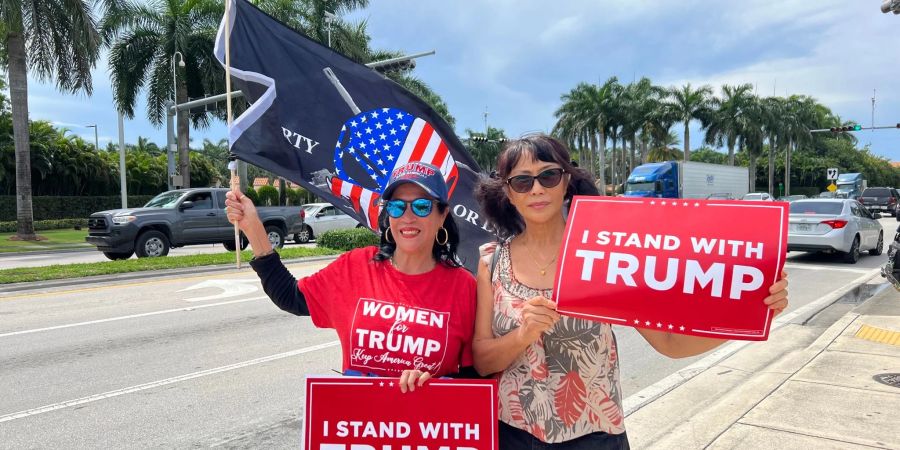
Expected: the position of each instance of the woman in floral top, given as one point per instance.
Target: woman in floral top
(559, 376)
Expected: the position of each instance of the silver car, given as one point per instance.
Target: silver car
(322, 217)
(834, 225)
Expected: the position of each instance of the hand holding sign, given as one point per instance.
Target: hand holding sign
(538, 316)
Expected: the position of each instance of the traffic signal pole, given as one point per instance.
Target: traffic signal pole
(854, 128)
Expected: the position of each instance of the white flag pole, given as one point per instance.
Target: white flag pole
(235, 180)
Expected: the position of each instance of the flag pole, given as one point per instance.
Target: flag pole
(235, 180)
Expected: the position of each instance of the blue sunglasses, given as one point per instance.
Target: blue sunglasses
(421, 207)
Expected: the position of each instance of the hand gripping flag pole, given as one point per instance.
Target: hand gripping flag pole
(232, 163)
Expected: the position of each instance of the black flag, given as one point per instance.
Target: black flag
(336, 127)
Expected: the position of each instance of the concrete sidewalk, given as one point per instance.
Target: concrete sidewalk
(803, 388)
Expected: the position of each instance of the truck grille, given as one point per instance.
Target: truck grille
(96, 223)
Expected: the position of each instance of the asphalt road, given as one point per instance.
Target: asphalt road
(208, 360)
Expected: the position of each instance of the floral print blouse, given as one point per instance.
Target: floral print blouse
(566, 384)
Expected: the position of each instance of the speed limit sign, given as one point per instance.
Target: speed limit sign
(832, 173)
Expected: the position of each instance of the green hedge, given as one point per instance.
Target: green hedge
(67, 207)
(40, 225)
(347, 239)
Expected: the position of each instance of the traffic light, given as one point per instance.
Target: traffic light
(846, 129)
(479, 139)
(891, 6)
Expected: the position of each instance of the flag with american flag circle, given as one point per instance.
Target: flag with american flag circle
(341, 146)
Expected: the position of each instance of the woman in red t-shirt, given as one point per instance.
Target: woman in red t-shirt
(405, 308)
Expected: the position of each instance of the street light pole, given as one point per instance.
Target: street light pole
(96, 140)
(172, 148)
(330, 17)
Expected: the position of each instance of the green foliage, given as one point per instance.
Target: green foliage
(708, 155)
(485, 153)
(347, 239)
(58, 207)
(252, 195)
(10, 227)
(268, 196)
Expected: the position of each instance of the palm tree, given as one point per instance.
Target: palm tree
(688, 104)
(752, 134)
(146, 38)
(55, 40)
(723, 126)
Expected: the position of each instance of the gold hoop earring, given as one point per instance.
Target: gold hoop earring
(446, 236)
(388, 236)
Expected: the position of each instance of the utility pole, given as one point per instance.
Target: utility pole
(485, 121)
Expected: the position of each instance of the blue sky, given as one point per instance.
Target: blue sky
(515, 58)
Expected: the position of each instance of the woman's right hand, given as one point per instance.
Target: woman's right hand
(538, 316)
(240, 210)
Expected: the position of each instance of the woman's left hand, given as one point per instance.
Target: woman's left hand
(409, 379)
(778, 295)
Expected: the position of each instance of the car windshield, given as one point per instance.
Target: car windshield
(636, 187)
(876, 192)
(165, 200)
(832, 208)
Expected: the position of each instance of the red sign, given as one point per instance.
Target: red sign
(368, 413)
(687, 266)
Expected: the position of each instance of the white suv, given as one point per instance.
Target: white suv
(322, 217)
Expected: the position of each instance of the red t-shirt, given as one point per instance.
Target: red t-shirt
(388, 321)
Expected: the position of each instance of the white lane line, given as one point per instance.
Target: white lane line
(133, 316)
(656, 390)
(155, 384)
(832, 268)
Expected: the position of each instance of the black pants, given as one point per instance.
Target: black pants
(512, 438)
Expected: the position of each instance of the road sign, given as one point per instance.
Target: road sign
(832, 173)
(832, 187)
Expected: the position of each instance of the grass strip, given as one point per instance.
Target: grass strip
(56, 239)
(56, 272)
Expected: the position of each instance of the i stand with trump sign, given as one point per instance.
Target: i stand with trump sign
(697, 267)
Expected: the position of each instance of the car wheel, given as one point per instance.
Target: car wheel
(880, 247)
(151, 244)
(276, 236)
(304, 236)
(852, 256)
(229, 245)
(359, 225)
(118, 255)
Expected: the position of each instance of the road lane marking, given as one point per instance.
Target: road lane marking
(649, 394)
(132, 316)
(230, 288)
(154, 384)
(833, 268)
(317, 265)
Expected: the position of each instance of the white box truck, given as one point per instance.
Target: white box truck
(676, 179)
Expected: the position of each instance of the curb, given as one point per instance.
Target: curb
(47, 252)
(649, 394)
(162, 273)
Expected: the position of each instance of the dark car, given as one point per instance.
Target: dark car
(880, 199)
(178, 218)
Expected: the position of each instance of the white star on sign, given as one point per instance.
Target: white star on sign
(658, 325)
(371, 141)
(378, 125)
(393, 131)
(380, 162)
(392, 384)
(383, 172)
(384, 110)
(663, 203)
(368, 130)
(390, 157)
(396, 142)
(382, 136)
(670, 326)
(375, 114)
(647, 323)
(353, 123)
(366, 155)
(403, 127)
(681, 328)
(362, 145)
(399, 115)
(388, 121)
(636, 321)
(387, 147)
(358, 134)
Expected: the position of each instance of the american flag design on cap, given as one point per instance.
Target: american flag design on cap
(372, 144)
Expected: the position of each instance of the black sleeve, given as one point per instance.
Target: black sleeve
(468, 372)
(279, 284)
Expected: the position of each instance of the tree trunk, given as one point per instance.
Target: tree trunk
(601, 175)
(773, 142)
(643, 152)
(730, 152)
(633, 151)
(787, 168)
(687, 140)
(612, 163)
(184, 129)
(752, 169)
(18, 93)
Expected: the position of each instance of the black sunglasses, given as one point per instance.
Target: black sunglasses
(548, 179)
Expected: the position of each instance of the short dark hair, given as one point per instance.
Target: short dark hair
(444, 254)
(491, 192)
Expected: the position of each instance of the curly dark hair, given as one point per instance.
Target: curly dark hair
(491, 192)
(444, 254)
